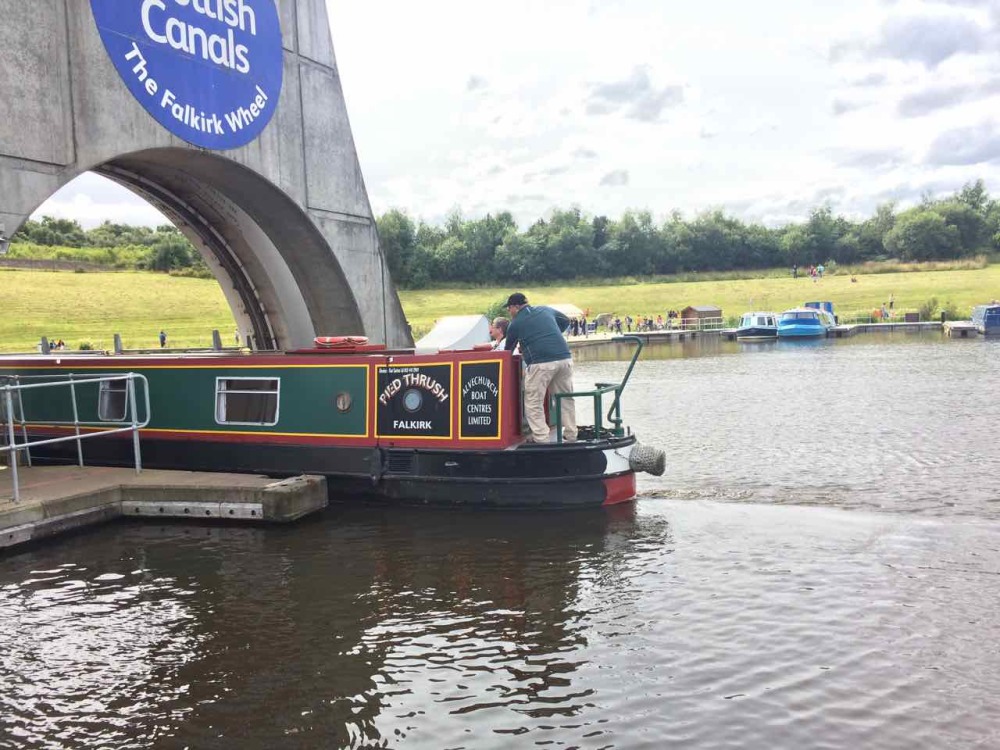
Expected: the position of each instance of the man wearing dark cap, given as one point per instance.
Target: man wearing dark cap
(548, 363)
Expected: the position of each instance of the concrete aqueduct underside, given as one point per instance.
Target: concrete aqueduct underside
(283, 221)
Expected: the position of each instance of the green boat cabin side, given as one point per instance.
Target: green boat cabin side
(456, 399)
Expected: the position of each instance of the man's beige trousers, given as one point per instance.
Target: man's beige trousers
(540, 380)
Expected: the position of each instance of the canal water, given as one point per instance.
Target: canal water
(818, 568)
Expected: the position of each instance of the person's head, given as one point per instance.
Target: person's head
(498, 329)
(515, 302)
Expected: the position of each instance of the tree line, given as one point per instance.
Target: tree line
(572, 245)
(123, 246)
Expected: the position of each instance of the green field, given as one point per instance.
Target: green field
(92, 307)
(960, 288)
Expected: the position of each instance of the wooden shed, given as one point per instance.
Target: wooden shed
(701, 316)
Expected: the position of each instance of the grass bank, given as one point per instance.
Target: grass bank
(92, 307)
(961, 288)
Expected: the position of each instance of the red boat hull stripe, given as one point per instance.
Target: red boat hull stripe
(619, 489)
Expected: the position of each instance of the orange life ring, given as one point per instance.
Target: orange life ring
(340, 342)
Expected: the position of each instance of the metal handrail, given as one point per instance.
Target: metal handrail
(600, 389)
(132, 425)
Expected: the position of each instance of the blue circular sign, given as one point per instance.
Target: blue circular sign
(209, 71)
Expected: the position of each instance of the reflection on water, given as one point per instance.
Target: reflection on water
(356, 628)
(760, 621)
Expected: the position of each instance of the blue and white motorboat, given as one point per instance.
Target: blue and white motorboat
(986, 319)
(813, 320)
(757, 326)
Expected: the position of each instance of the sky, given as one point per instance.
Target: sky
(765, 110)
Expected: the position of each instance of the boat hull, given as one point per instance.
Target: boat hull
(571, 475)
(801, 332)
(756, 333)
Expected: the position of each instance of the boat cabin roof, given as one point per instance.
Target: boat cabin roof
(368, 351)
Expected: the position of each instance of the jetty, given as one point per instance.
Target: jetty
(963, 329)
(604, 342)
(56, 499)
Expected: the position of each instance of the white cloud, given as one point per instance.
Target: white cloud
(91, 200)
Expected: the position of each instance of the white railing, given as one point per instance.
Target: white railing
(874, 315)
(701, 324)
(15, 385)
(669, 324)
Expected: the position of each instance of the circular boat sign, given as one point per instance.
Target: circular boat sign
(209, 71)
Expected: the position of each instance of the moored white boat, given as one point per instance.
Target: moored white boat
(757, 326)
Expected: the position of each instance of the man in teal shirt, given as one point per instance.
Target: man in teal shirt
(548, 363)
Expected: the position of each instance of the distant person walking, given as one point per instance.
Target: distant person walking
(163, 339)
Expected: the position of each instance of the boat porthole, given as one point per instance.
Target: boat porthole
(344, 401)
(413, 400)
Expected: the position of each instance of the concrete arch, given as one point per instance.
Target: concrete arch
(284, 221)
(273, 263)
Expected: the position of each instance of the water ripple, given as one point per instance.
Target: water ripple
(805, 576)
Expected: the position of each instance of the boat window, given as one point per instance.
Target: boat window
(111, 402)
(762, 321)
(799, 316)
(246, 401)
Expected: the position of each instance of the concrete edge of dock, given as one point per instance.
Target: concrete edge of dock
(57, 507)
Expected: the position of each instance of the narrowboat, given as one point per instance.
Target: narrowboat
(812, 320)
(757, 326)
(986, 319)
(440, 428)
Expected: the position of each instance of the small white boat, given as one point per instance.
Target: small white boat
(757, 326)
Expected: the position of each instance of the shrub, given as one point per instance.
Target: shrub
(496, 310)
(951, 311)
(928, 310)
(86, 346)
